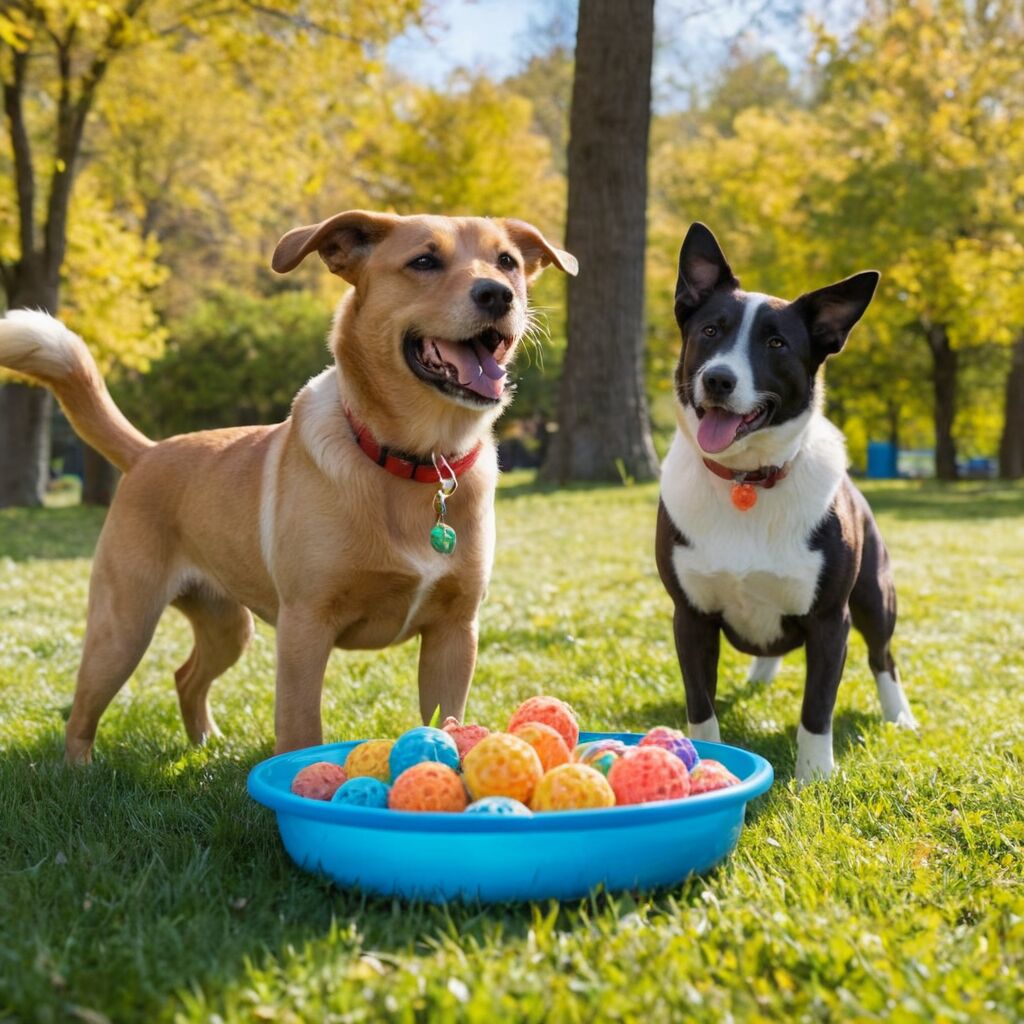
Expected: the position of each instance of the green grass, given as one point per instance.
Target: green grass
(149, 887)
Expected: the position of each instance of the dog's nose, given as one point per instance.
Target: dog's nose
(719, 381)
(493, 297)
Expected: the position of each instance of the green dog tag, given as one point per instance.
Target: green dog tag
(442, 539)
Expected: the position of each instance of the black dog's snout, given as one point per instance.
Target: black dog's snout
(493, 297)
(719, 381)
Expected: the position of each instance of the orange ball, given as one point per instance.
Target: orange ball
(550, 746)
(502, 765)
(370, 759)
(548, 711)
(645, 774)
(428, 786)
(744, 496)
(572, 787)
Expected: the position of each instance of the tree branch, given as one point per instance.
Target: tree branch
(24, 177)
(71, 117)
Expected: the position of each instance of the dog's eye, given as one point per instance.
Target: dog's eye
(507, 261)
(428, 261)
(776, 342)
(710, 331)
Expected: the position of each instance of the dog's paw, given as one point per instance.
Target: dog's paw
(764, 670)
(813, 756)
(706, 730)
(895, 707)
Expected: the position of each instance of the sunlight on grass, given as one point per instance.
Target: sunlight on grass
(150, 887)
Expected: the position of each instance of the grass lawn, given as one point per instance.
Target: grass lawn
(149, 887)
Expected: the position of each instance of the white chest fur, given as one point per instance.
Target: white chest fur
(752, 567)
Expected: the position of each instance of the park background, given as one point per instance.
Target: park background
(155, 150)
(152, 153)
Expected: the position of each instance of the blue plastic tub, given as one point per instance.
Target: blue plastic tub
(556, 855)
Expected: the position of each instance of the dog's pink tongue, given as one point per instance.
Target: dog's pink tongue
(478, 369)
(717, 429)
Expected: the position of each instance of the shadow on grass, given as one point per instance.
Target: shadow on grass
(49, 532)
(934, 500)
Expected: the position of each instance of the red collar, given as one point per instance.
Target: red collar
(766, 476)
(403, 465)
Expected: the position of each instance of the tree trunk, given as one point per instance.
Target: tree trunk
(944, 373)
(603, 430)
(25, 409)
(1011, 445)
(892, 415)
(99, 477)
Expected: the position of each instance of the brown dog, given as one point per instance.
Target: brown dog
(321, 524)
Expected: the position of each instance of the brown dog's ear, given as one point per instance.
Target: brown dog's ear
(537, 251)
(343, 241)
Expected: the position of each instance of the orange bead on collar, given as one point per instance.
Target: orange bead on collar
(744, 496)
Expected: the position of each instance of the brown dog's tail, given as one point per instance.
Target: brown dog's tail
(41, 347)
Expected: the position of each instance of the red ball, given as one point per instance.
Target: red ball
(319, 781)
(708, 775)
(428, 786)
(548, 711)
(645, 774)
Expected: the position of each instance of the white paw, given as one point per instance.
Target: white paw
(764, 670)
(895, 707)
(813, 756)
(706, 730)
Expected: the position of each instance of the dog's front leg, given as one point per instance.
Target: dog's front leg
(826, 656)
(697, 646)
(447, 659)
(304, 643)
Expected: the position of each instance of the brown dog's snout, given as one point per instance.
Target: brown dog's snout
(491, 297)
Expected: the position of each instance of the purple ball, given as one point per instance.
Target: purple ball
(674, 742)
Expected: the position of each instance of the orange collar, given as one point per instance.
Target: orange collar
(404, 465)
(766, 476)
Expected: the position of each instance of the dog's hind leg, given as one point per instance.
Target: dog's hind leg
(222, 628)
(873, 610)
(764, 670)
(126, 598)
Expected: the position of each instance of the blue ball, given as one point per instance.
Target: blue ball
(423, 744)
(501, 805)
(362, 792)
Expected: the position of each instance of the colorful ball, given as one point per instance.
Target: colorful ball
(548, 743)
(599, 754)
(362, 792)
(424, 743)
(646, 774)
(466, 736)
(318, 781)
(502, 765)
(710, 775)
(500, 805)
(370, 759)
(572, 787)
(674, 742)
(548, 711)
(428, 786)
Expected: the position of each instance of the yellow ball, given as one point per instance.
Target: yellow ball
(502, 765)
(370, 759)
(572, 787)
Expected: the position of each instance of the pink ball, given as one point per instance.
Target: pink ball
(466, 736)
(710, 775)
(319, 781)
(674, 742)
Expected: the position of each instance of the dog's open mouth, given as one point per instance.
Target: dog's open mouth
(719, 428)
(470, 368)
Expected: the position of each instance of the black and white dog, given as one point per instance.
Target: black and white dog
(761, 534)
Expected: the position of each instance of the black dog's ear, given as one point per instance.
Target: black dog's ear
(702, 268)
(831, 312)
